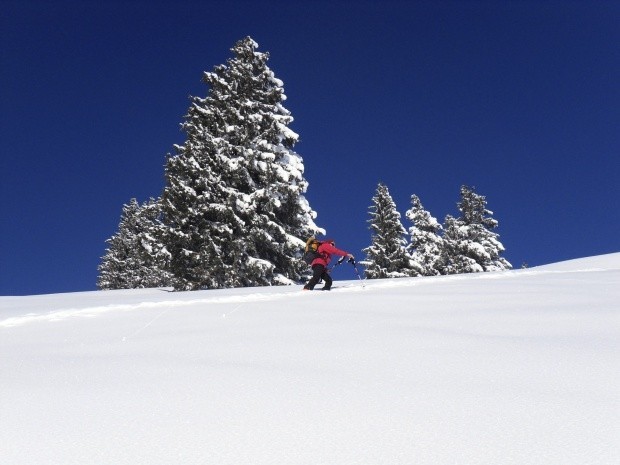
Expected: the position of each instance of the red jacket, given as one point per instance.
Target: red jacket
(326, 249)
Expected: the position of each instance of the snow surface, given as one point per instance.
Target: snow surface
(517, 367)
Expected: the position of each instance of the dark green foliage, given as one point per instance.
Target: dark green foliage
(234, 191)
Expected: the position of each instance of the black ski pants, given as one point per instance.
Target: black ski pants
(319, 272)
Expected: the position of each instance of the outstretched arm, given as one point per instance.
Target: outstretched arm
(334, 251)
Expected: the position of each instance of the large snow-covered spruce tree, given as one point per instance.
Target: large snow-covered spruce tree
(386, 257)
(134, 257)
(471, 245)
(233, 201)
(425, 244)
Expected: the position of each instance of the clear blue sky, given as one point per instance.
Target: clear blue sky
(520, 99)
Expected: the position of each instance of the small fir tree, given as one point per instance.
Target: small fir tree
(471, 245)
(386, 257)
(455, 257)
(426, 245)
(135, 257)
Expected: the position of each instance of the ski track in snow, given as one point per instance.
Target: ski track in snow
(89, 312)
(263, 294)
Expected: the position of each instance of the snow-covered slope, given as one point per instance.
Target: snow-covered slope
(518, 367)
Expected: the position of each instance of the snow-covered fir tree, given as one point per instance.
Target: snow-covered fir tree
(454, 258)
(386, 257)
(233, 200)
(135, 257)
(425, 243)
(470, 243)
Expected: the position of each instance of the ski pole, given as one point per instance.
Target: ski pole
(340, 260)
(352, 262)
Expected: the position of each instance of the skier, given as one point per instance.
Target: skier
(319, 265)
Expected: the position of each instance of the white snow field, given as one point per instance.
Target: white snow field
(519, 367)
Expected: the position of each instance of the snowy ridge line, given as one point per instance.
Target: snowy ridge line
(391, 283)
(346, 286)
(90, 312)
(427, 280)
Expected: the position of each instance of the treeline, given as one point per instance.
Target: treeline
(465, 244)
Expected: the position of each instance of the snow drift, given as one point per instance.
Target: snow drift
(517, 367)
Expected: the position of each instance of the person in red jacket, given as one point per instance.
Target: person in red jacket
(319, 265)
